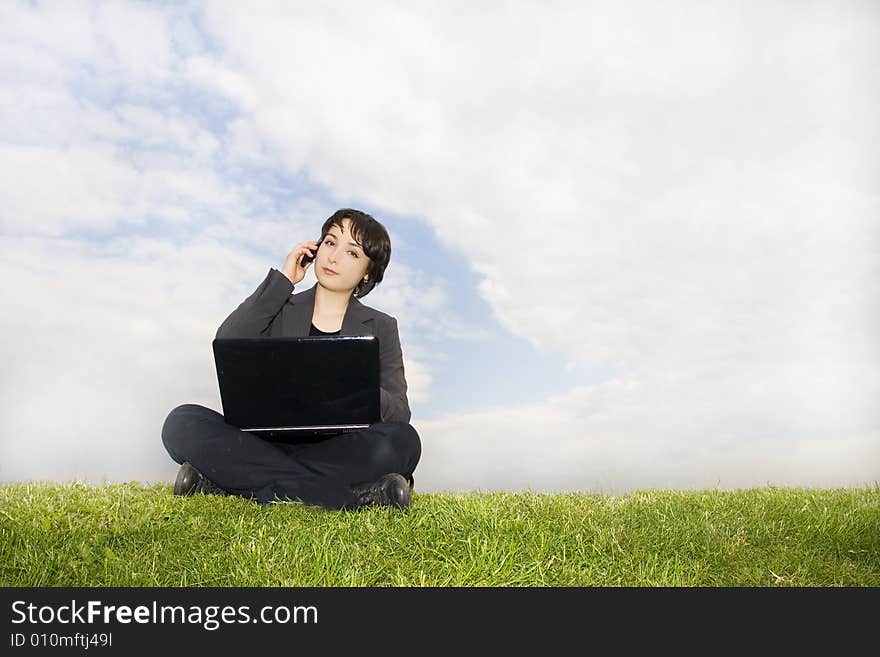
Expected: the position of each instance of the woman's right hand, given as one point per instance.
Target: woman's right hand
(291, 268)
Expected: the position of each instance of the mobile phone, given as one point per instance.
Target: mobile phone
(306, 259)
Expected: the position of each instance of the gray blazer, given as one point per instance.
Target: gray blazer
(272, 311)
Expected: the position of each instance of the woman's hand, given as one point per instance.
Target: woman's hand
(291, 268)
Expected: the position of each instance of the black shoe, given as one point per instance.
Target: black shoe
(391, 490)
(190, 481)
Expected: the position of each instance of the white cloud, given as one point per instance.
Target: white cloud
(206, 72)
(637, 433)
(103, 344)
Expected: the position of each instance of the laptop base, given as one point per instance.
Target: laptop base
(299, 433)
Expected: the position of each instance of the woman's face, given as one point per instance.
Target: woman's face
(340, 253)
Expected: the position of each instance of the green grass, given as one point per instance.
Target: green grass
(131, 535)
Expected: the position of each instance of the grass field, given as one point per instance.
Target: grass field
(131, 535)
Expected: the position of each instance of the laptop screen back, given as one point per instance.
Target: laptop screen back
(285, 383)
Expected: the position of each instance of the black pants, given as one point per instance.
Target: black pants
(317, 472)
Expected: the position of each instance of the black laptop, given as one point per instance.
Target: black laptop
(292, 388)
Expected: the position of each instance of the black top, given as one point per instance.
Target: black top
(316, 331)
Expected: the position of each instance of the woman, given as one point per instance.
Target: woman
(344, 471)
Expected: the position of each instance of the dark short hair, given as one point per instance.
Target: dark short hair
(372, 237)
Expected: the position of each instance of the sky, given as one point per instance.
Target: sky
(634, 245)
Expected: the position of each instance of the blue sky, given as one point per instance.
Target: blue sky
(633, 247)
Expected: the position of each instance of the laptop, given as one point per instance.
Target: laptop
(293, 388)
